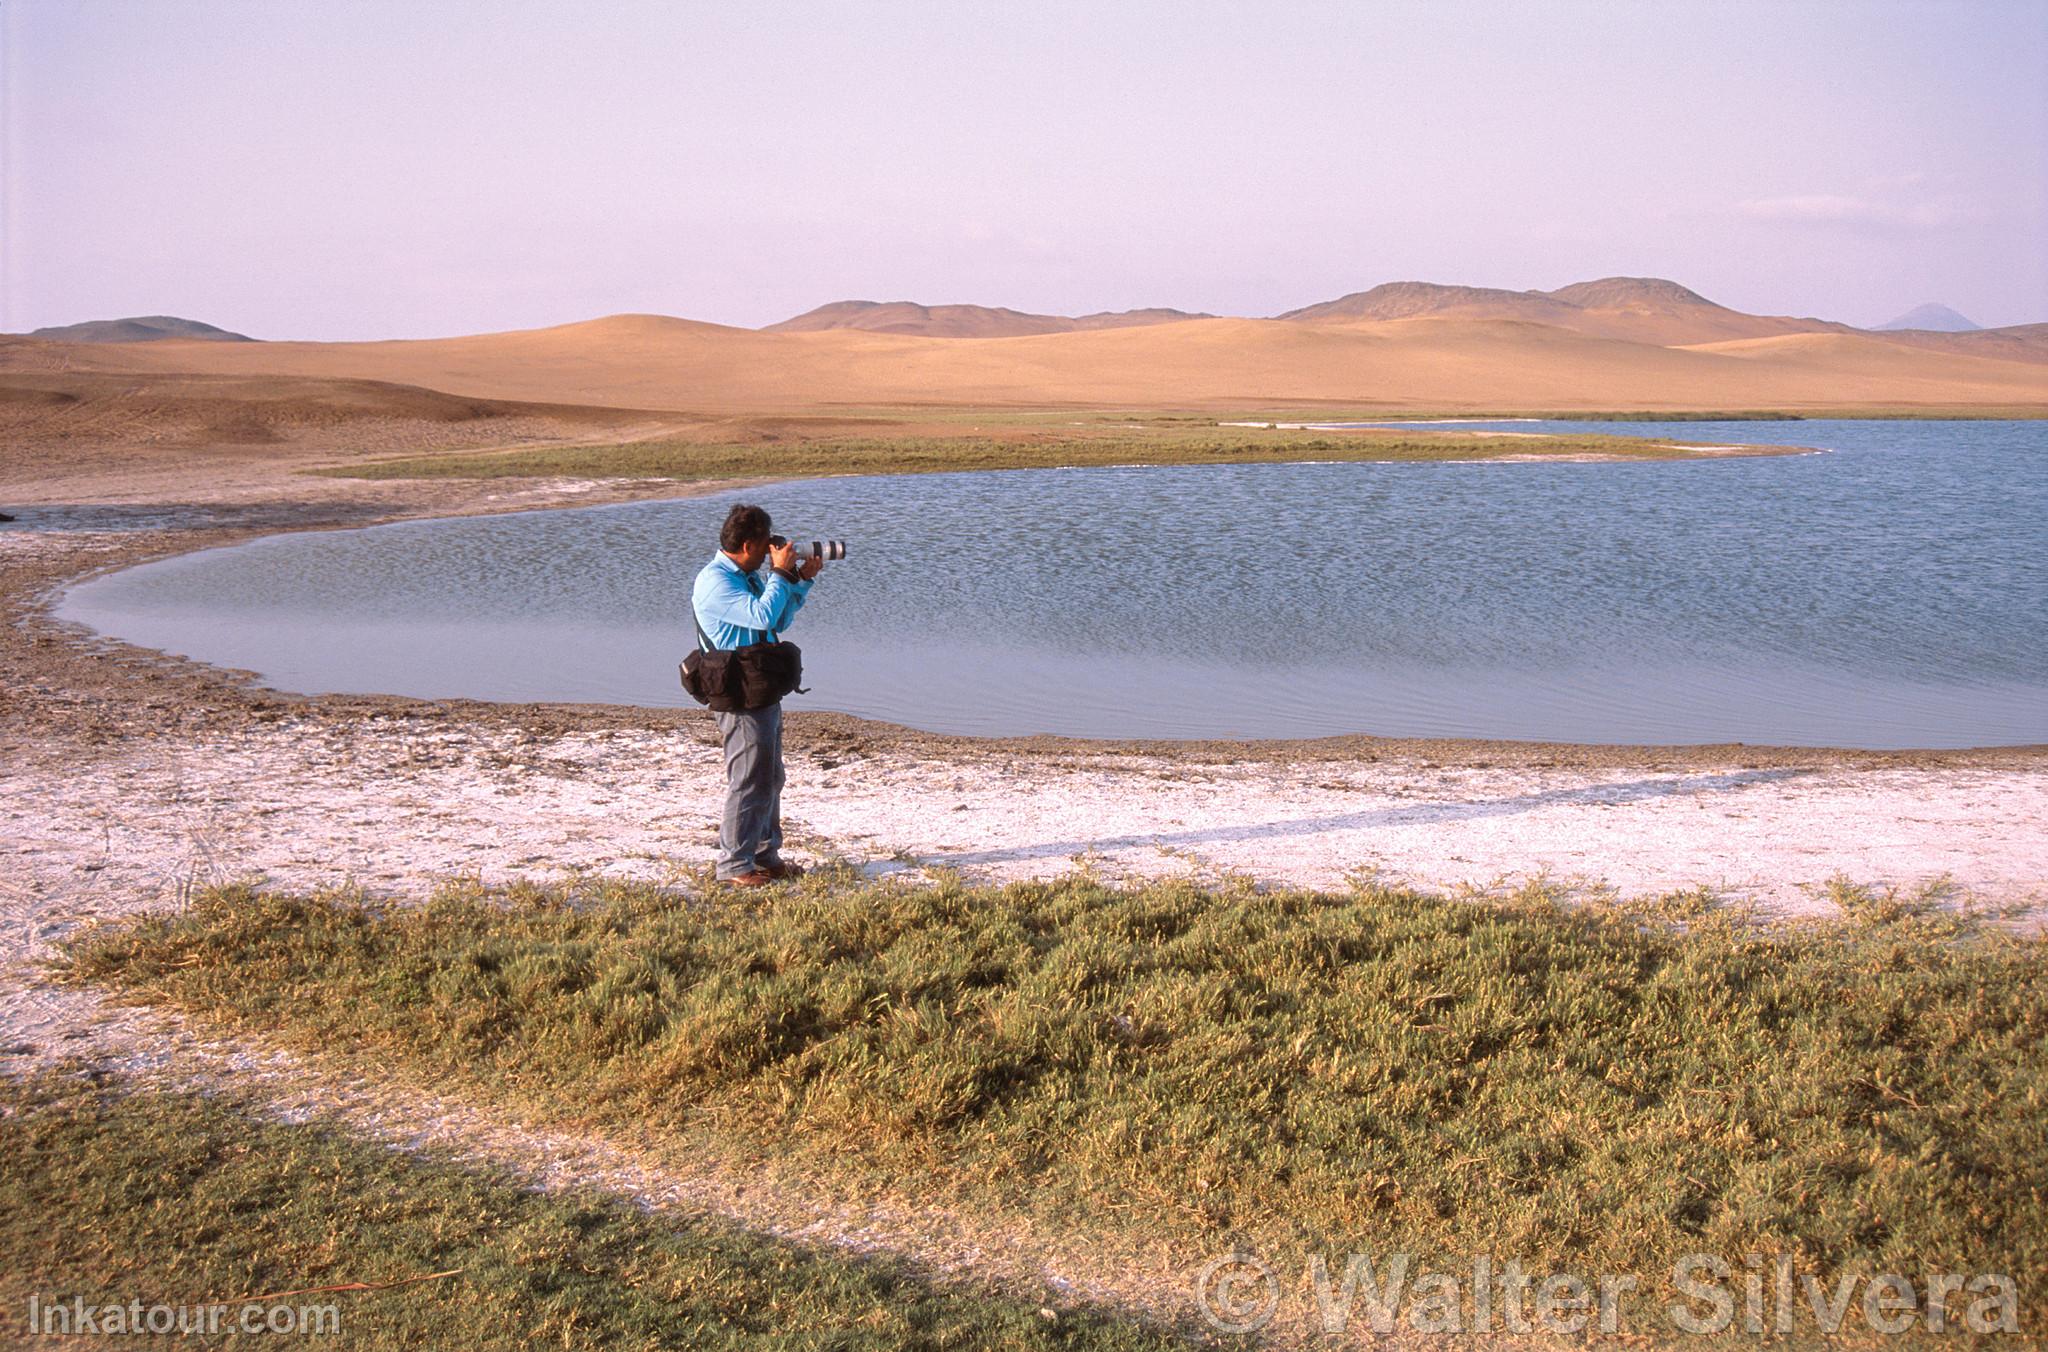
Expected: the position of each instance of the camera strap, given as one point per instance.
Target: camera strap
(704, 639)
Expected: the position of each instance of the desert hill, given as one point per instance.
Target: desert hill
(1634, 293)
(1636, 309)
(138, 329)
(1932, 316)
(962, 321)
(1408, 300)
(1426, 362)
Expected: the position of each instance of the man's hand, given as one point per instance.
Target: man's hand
(812, 567)
(782, 557)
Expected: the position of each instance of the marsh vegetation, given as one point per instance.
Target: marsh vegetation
(1589, 1088)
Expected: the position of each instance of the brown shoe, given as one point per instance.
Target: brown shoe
(782, 870)
(757, 878)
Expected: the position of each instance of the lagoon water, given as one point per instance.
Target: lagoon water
(1892, 593)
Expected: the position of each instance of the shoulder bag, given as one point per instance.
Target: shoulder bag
(736, 680)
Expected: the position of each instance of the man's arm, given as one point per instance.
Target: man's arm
(799, 588)
(783, 565)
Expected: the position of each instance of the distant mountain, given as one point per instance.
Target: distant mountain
(1932, 317)
(1632, 309)
(1131, 319)
(141, 329)
(1407, 300)
(1653, 310)
(963, 321)
(1635, 293)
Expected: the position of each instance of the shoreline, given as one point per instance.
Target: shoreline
(138, 774)
(479, 497)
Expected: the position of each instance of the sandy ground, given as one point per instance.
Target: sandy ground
(131, 778)
(396, 805)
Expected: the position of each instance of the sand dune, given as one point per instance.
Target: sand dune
(1862, 354)
(2020, 342)
(656, 362)
(1613, 343)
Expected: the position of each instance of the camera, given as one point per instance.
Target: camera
(828, 550)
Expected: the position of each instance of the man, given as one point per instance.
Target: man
(735, 607)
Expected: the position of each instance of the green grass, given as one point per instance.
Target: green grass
(1583, 1089)
(1023, 448)
(179, 1200)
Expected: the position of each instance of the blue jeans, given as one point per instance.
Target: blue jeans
(750, 834)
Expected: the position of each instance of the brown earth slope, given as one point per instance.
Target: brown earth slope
(92, 408)
(64, 431)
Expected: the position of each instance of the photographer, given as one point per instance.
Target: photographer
(736, 607)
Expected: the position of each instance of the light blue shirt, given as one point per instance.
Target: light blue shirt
(737, 609)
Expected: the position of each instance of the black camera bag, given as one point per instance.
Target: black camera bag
(734, 680)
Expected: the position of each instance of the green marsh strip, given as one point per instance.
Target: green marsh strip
(1581, 1089)
(181, 1201)
(920, 455)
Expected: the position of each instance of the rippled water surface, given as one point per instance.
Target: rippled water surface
(1892, 593)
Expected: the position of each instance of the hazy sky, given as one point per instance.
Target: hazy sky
(359, 169)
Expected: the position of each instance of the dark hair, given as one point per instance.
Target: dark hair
(744, 524)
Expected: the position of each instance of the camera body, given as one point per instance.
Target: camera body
(828, 550)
